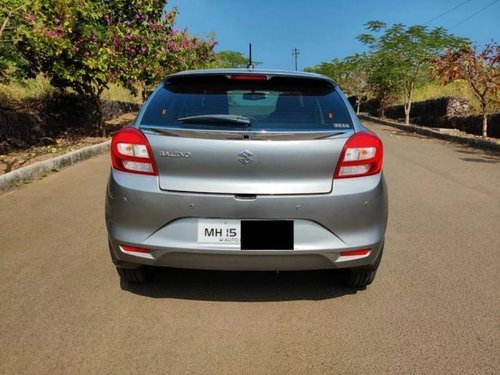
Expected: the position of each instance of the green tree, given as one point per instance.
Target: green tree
(480, 69)
(382, 81)
(12, 63)
(148, 47)
(231, 59)
(357, 82)
(142, 40)
(337, 69)
(350, 73)
(198, 53)
(410, 50)
(70, 42)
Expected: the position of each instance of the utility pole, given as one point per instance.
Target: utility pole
(296, 53)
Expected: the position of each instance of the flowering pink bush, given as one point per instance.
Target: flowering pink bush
(133, 43)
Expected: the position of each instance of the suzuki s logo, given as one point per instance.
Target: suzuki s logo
(246, 157)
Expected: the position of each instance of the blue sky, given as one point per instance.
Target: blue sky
(324, 29)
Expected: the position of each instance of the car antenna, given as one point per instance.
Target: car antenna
(250, 63)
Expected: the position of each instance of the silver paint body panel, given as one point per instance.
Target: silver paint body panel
(290, 176)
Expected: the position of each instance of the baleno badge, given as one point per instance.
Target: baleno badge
(175, 154)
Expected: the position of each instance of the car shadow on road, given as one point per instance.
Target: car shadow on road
(241, 286)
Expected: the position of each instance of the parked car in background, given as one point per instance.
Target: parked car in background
(247, 170)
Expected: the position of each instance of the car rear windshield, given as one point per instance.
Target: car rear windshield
(275, 104)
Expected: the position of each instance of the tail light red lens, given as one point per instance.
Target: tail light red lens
(362, 155)
(131, 152)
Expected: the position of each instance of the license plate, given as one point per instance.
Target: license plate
(219, 231)
(248, 234)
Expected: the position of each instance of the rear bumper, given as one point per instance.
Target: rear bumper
(353, 216)
(244, 260)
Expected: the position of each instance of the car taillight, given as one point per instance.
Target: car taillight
(130, 152)
(362, 155)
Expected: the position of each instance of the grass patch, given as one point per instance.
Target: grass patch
(15, 93)
(434, 90)
(117, 92)
(25, 90)
(458, 89)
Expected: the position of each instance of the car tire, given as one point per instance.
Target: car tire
(358, 279)
(361, 277)
(138, 275)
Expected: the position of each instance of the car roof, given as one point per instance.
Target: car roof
(267, 72)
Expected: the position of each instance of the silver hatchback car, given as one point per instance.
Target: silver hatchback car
(247, 170)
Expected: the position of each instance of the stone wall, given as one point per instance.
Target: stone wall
(431, 112)
(446, 112)
(61, 112)
(26, 127)
(64, 111)
(474, 124)
(370, 106)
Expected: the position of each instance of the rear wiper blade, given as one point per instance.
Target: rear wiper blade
(217, 119)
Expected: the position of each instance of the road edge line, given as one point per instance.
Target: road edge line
(11, 180)
(483, 144)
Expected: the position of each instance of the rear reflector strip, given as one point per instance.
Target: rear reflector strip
(134, 249)
(354, 253)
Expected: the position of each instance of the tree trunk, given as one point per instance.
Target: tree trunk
(100, 128)
(100, 119)
(381, 107)
(358, 105)
(407, 112)
(407, 104)
(146, 92)
(485, 124)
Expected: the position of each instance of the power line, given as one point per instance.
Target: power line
(448, 11)
(474, 14)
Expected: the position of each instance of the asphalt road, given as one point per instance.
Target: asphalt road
(434, 307)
